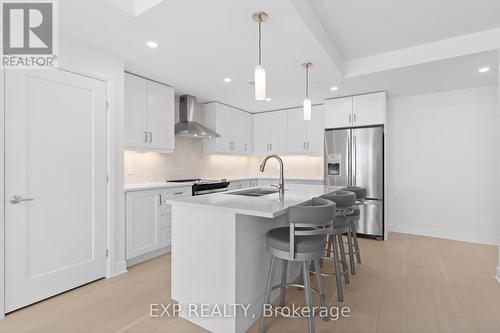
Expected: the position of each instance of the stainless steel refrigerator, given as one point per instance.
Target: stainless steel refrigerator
(355, 157)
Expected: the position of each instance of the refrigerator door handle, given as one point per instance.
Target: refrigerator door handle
(349, 159)
(355, 159)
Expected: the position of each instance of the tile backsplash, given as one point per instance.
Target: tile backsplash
(188, 161)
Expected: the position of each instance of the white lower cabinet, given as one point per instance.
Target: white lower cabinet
(149, 219)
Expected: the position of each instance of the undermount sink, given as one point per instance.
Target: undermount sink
(255, 192)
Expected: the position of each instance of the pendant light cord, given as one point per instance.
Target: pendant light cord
(260, 42)
(307, 81)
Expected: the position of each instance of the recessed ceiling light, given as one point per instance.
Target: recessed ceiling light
(152, 44)
(483, 69)
(334, 88)
(268, 99)
(227, 79)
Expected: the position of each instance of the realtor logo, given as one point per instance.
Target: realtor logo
(29, 33)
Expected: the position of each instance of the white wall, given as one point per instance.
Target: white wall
(87, 60)
(498, 124)
(442, 165)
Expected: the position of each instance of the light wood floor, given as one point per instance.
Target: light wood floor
(406, 284)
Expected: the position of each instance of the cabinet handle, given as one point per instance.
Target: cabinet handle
(246, 147)
(307, 144)
(178, 193)
(150, 137)
(354, 118)
(350, 118)
(145, 139)
(159, 197)
(271, 146)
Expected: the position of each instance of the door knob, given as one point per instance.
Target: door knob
(16, 198)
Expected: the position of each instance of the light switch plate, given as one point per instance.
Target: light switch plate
(130, 170)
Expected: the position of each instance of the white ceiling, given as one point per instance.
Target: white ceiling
(366, 27)
(201, 42)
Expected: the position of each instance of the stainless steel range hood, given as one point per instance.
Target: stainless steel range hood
(187, 126)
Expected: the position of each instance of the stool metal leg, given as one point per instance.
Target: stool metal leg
(340, 289)
(319, 279)
(356, 244)
(329, 245)
(284, 270)
(307, 290)
(267, 298)
(345, 267)
(351, 252)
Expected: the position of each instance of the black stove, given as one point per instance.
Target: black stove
(204, 186)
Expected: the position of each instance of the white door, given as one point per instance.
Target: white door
(136, 117)
(160, 110)
(55, 157)
(369, 109)
(338, 112)
(261, 133)
(143, 222)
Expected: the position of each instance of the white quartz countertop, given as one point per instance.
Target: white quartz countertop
(269, 206)
(160, 185)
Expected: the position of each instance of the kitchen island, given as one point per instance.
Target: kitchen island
(219, 257)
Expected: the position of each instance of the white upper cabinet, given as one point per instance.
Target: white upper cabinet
(270, 132)
(149, 115)
(369, 109)
(305, 137)
(297, 132)
(338, 112)
(161, 122)
(316, 131)
(136, 120)
(362, 110)
(234, 127)
(261, 133)
(244, 133)
(278, 131)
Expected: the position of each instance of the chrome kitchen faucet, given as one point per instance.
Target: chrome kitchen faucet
(281, 185)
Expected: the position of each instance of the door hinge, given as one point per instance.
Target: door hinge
(107, 253)
(107, 179)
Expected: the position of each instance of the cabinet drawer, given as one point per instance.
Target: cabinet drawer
(180, 192)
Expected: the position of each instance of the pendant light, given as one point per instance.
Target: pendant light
(307, 100)
(260, 72)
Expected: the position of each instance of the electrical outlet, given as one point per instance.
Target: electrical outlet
(130, 170)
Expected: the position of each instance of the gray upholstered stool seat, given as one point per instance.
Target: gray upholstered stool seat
(341, 222)
(279, 239)
(355, 213)
(342, 199)
(303, 241)
(359, 191)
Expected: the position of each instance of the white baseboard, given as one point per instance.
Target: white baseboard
(498, 274)
(446, 234)
(148, 256)
(120, 268)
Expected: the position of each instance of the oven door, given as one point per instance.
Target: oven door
(200, 189)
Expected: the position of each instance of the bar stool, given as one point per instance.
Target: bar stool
(335, 246)
(345, 201)
(360, 197)
(303, 241)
